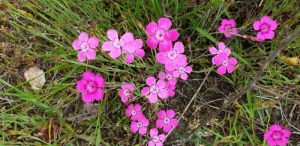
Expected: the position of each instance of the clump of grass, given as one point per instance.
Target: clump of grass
(41, 32)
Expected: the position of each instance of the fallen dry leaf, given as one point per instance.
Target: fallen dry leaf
(36, 77)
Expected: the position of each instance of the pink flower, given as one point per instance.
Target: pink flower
(126, 92)
(277, 135)
(161, 35)
(266, 26)
(166, 120)
(182, 70)
(139, 126)
(156, 140)
(135, 112)
(85, 46)
(168, 77)
(171, 90)
(155, 89)
(91, 86)
(228, 27)
(171, 57)
(114, 45)
(222, 48)
(225, 63)
(132, 49)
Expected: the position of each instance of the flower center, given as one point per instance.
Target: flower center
(181, 70)
(172, 55)
(168, 77)
(155, 139)
(265, 27)
(126, 92)
(166, 120)
(133, 112)
(84, 46)
(160, 35)
(154, 89)
(139, 124)
(90, 87)
(225, 63)
(277, 135)
(227, 28)
(118, 43)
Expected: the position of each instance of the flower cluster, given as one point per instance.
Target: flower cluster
(126, 44)
(222, 59)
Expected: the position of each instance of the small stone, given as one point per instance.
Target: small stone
(36, 77)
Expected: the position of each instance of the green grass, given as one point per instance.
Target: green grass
(40, 32)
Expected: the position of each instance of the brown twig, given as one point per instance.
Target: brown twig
(191, 101)
(272, 56)
(291, 100)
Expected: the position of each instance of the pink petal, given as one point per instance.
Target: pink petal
(188, 69)
(99, 94)
(161, 84)
(265, 19)
(286, 132)
(184, 76)
(129, 58)
(76, 44)
(161, 114)
(144, 121)
(108, 46)
(100, 80)
(138, 43)
(139, 53)
(138, 107)
(151, 28)
(231, 22)
(159, 143)
(91, 54)
(128, 86)
(260, 36)
(115, 53)
(230, 69)
(152, 42)
(81, 56)
(283, 141)
(227, 51)
(129, 110)
(165, 46)
(275, 127)
(159, 123)
(170, 113)
(176, 74)
(87, 98)
(178, 46)
(81, 85)
(167, 128)
(133, 127)
(88, 75)
(153, 98)
(267, 135)
(213, 50)
(221, 28)
(170, 66)
(228, 35)
(163, 93)
(151, 143)
(137, 116)
(112, 34)
(217, 60)
(221, 46)
(145, 91)
(221, 70)
(160, 57)
(174, 122)
(224, 21)
(270, 35)
(93, 42)
(153, 132)
(127, 37)
(271, 142)
(164, 23)
(162, 137)
(256, 25)
(234, 31)
(233, 61)
(83, 37)
(273, 25)
(172, 35)
(150, 80)
(143, 130)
